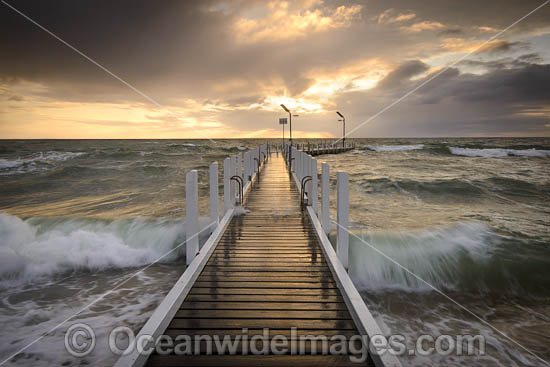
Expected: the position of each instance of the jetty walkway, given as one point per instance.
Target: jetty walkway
(269, 274)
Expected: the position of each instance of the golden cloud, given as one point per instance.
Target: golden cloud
(389, 16)
(471, 45)
(284, 22)
(423, 26)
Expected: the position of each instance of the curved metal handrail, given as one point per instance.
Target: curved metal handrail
(305, 180)
(239, 180)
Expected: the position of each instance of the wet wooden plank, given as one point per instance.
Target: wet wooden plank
(315, 298)
(273, 291)
(250, 360)
(272, 285)
(263, 314)
(262, 305)
(263, 278)
(179, 323)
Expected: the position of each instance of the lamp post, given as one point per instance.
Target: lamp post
(282, 122)
(290, 138)
(344, 131)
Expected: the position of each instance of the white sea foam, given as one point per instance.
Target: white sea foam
(395, 148)
(41, 247)
(28, 164)
(435, 255)
(499, 152)
(4, 163)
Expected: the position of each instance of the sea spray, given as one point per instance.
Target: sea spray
(467, 257)
(395, 148)
(499, 152)
(41, 247)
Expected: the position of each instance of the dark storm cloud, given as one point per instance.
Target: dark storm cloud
(521, 61)
(503, 46)
(459, 104)
(452, 32)
(403, 73)
(527, 85)
(139, 41)
(470, 13)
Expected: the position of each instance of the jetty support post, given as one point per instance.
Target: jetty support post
(307, 172)
(342, 244)
(192, 216)
(214, 212)
(239, 164)
(246, 168)
(300, 164)
(232, 164)
(325, 197)
(314, 185)
(226, 182)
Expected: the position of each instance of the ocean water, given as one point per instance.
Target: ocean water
(468, 216)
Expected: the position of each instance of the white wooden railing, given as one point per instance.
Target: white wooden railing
(244, 166)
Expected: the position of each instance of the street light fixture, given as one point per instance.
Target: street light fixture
(290, 139)
(290, 120)
(344, 131)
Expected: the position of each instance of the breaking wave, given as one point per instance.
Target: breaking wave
(499, 152)
(28, 164)
(41, 247)
(468, 256)
(395, 148)
(443, 149)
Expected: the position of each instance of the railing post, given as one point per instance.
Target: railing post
(214, 212)
(300, 165)
(239, 164)
(231, 182)
(342, 245)
(325, 197)
(192, 216)
(227, 204)
(314, 184)
(246, 168)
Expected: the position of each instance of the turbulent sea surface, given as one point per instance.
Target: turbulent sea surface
(470, 217)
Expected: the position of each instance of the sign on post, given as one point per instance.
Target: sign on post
(283, 121)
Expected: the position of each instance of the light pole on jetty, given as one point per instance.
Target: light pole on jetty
(344, 133)
(290, 138)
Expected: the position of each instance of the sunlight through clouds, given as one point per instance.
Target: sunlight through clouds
(285, 20)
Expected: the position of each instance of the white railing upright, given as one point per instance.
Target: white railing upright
(314, 184)
(325, 198)
(214, 211)
(192, 216)
(342, 242)
(226, 184)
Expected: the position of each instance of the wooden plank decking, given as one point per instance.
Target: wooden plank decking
(267, 271)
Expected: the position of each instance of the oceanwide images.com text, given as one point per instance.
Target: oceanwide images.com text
(80, 341)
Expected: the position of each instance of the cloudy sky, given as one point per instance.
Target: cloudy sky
(197, 69)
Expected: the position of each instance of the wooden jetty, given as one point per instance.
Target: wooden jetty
(315, 149)
(272, 267)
